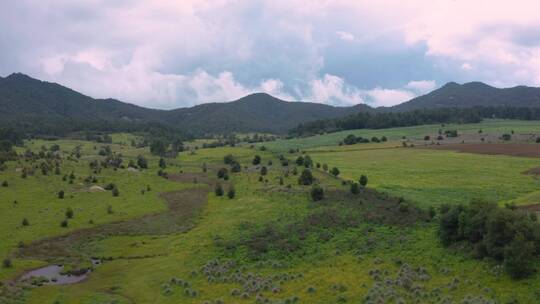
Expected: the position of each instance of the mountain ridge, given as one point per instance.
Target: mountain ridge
(23, 98)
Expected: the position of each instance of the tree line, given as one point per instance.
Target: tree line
(381, 120)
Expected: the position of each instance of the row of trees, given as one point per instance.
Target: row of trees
(380, 120)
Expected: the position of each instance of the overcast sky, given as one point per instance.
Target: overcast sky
(169, 54)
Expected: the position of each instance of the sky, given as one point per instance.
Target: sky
(178, 53)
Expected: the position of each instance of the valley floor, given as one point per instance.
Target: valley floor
(172, 240)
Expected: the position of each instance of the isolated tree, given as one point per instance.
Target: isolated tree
(231, 192)
(115, 191)
(142, 162)
(325, 167)
(222, 172)
(236, 167)
(317, 193)
(162, 163)
(256, 160)
(306, 177)
(300, 160)
(355, 188)
(335, 171)
(69, 212)
(363, 180)
(308, 162)
(6, 263)
(218, 190)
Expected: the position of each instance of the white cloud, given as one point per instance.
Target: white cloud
(421, 86)
(466, 66)
(333, 89)
(345, 36)
(173, 53)
(388, 97)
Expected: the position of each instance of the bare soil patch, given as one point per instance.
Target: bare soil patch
(521, 150)
(533, 171)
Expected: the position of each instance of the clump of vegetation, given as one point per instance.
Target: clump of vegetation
(335, 171)
(69, 213)
(355, 188)
(231, 192)
(115, 191)
(317, 193)
(256, 160)
(218, 189)
(306, 177)
(264, 170)
(25, 222)
(363, 180)
(5, 184)
(64, 223)
(510, 236)
(6, 263)
(61, 194)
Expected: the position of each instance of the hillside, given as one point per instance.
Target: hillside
(25, 99)
(473, 94)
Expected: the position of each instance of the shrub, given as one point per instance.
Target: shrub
(256, 160)
(5, 184)
(375, 139)
(335, 171)
(427, 137)
(61, 194)
(25, 222)
(115, 191)
(325, 167)
(218, 190)
(317, 193)
(6, 263)
(281, 181)
(142, 162)
(69, 213)
(506, 137)
(231, 193)
(162, 163)
(355, 189)
(384, 139)
(300, 160)
(306, 178)
(363, 180)
(64, 223)
(235, 167)
(264, 170)
(518, 257)
(308, 162)
(222, 172)
(110, 186)
(228, 159)
(204, 167)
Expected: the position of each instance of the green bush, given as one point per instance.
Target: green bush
(317, 193)
(306, 178)
(218, 190)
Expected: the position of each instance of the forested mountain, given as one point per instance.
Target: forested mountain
(36, 106)
(27, 100)
(473, 94)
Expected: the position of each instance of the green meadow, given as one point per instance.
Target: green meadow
(173, 240)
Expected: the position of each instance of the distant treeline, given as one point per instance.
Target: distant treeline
(381, 120)
(65, 127)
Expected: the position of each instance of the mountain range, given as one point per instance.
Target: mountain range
(25, 99)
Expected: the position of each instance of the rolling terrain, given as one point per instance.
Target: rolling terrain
(171, 238)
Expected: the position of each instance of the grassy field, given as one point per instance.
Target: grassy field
(415, 132)
(270, 239)
(432, 177)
